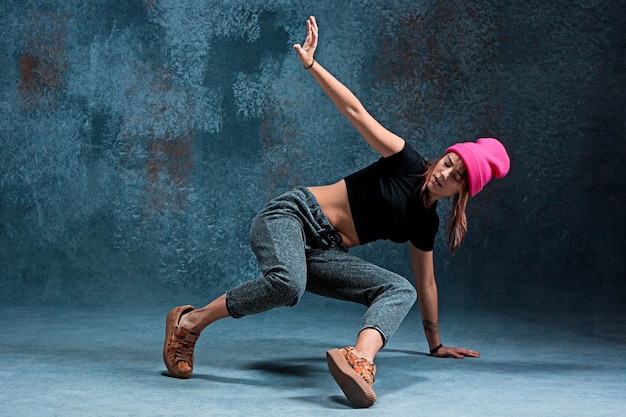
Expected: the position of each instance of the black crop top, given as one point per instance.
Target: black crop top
(386, 201)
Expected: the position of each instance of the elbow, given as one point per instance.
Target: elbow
(426, 285)
(354, 110)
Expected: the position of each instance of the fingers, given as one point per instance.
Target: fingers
(307, 49)
(457, 353)
(469, 353)
(462, 353)
(312, 29)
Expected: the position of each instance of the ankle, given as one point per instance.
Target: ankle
(188, 321)
(363, 354)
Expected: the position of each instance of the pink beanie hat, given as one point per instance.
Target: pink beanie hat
(484, 159)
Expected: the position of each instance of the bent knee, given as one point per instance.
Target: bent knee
(409, 293)
(404, 293)
(399, 293)
(287, 291)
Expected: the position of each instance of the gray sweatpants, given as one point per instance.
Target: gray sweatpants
(298, 250)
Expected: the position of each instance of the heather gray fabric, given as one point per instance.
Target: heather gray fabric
(298, 250)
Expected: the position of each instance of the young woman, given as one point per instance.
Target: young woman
(301, 241)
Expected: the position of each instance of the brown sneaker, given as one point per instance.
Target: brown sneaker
(354, 375)
(179, 344)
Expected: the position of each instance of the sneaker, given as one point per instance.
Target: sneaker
(179, 344)
(354, 375)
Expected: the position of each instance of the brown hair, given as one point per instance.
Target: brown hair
(457, 221)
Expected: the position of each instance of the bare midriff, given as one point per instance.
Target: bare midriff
(333, 200)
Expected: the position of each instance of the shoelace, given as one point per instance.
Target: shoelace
(365, 370)
(362, 366)
(185, 348)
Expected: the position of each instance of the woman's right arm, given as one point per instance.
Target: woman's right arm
(428, 299)
(383, 141)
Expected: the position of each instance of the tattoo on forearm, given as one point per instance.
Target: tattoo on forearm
(431, 327)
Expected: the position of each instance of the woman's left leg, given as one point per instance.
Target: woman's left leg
(334, 273)
(389, 297)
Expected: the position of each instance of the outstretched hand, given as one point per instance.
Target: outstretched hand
(454, 352)
(306, 51)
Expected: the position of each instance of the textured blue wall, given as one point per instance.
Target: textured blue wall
(139, 138)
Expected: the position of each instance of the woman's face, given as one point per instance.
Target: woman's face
(448, 177)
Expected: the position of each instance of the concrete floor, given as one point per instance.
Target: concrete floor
(60, 361)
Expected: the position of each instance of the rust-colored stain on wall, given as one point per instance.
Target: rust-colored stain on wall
(432, 57)
(43, 61)
(281, 154)
(168, 167)
(162, 140)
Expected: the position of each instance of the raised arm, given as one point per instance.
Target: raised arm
(383, 141)
(428, 298)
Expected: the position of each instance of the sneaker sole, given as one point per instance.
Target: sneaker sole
(173, 317)
(356, 389)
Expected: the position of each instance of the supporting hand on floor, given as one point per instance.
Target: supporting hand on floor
(454, 352)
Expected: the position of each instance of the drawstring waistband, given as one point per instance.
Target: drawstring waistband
(332, 237)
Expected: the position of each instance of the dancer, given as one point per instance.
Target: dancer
(301, 240)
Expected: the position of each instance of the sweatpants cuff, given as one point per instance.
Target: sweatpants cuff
(382, 334)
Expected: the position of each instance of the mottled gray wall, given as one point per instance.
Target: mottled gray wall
(140, 137)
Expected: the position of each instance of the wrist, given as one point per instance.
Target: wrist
(435, 349)
(308, 67)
